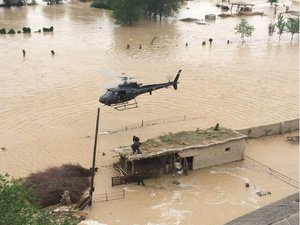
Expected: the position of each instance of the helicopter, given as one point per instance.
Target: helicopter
(119, 97)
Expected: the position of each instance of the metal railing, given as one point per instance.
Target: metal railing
(275, 173)
(109, 196)
(144, 123)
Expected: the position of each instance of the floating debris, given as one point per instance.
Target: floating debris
(201, 22)
(62, 211)
(263, 193)
(223, 15)
(106, 132)
(176, 182)
(90, 222)
(293, 139)
(189, 19)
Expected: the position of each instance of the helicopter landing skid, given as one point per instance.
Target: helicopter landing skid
(125, 105)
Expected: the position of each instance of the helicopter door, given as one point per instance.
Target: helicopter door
(121, 95)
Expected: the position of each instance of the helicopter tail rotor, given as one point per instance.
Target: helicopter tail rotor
(175, 82)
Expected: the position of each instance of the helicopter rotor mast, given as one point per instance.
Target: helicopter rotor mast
(125, 78)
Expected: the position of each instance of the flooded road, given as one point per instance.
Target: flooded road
(48, 103)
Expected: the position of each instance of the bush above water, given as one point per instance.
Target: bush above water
(26, 30)
(2, 31)
(50, 29)
(101, 4)
(11, 31)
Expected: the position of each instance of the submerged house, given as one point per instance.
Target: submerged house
(182, 151)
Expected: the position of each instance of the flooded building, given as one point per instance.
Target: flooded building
(183, 151)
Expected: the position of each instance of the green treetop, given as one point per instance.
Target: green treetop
(292, 26)
(244, 29)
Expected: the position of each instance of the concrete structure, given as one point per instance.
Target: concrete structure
(215, 154)
(210, 17)
(183, 151)
(241, 6)
(271, 129)
(282, 212)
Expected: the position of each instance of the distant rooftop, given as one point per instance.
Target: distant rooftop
(177, 142)
(242, 3)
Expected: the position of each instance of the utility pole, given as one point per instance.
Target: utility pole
(93, 169)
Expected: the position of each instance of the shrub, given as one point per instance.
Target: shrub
(2, 31)
(267, 131)
(50, 29)
(26, 30)
(11, 31)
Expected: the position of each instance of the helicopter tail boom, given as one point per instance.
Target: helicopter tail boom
(175, 82)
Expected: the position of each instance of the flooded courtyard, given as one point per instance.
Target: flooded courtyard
(49, 102)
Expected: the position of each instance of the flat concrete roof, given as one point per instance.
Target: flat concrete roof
(242, 3)
(181, 141)
(284, 211)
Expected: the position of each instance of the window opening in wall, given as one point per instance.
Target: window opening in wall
(227, 149)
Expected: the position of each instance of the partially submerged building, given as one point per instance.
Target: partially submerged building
(183, 151)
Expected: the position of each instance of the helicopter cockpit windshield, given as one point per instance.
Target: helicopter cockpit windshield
(108, 94)
(105, 99)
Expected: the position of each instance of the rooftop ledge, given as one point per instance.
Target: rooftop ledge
(178, 142)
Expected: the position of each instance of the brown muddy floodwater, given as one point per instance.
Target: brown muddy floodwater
(49, 103)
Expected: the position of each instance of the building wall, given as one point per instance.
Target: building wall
(271, 129)
(216, 154)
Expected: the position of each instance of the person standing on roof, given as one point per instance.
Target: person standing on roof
(136, 145)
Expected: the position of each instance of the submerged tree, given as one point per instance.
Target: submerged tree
(271, 30)
(244, 29)
(292, 26)
(280, 24)
(160, 8)
(127, 12)
(272, 1)
(151, 8)
(52, 2)
(9, 3)
(102, 4)
(167, 7)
